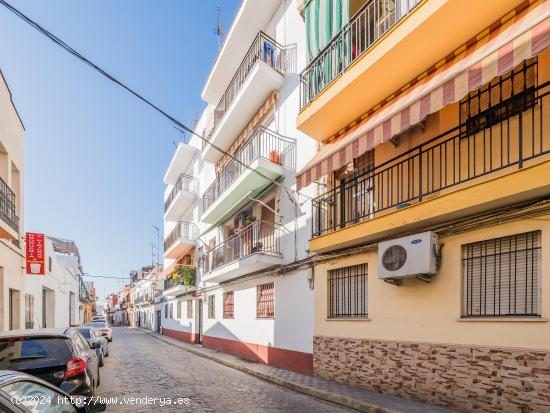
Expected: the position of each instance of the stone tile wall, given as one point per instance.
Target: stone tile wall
(469, 379)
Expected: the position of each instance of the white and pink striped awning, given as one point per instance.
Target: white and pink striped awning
(523, 37)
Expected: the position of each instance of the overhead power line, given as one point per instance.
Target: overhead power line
(104, 73)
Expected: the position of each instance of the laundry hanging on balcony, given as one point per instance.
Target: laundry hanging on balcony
(324, 20)
(519, 39)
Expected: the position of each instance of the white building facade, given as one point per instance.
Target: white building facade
(52, 300)
(231, 210)
(12, 255)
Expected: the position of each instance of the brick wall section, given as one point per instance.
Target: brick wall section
(465, 378)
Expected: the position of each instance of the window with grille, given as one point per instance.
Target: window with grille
(347, 292)
(165, 310)
(189, 308)
(500, 99)
(29, 311)
(171, 310)
(228, 304)
(265, 300)
(211, 306)
(501, 277)
(178, 309)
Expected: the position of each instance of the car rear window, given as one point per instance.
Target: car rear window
(20, 351)
(99, 325)
(85, 332)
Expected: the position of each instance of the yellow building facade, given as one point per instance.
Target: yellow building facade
(433, 116)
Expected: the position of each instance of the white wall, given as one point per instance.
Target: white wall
(59, 283)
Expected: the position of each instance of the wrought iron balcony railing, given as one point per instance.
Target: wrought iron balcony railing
(510, 134)
(368, 25)
(262, 143)
(184, 183)
(259, 237)
(263, 48)
(183, 230)
(7, 206)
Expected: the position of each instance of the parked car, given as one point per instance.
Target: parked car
(19, 393)
(62, 357)
(104, 327)
(93, 336)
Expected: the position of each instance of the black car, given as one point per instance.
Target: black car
(96, 340)
(61, 357)
(23, 393)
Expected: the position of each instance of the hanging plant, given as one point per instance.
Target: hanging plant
(184, 276)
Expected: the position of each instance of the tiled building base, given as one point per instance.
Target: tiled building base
(465, 378)
(181, 335)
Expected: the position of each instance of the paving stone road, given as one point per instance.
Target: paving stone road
(140, 365)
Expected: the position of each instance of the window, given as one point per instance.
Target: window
(501, 276)
(32, 394)
(189, 309)
(347, 292)
(165, 310)
(500, 99)
(179, 305)
(29, 311)
(265, 300)
(228, 306)
(49, 264)
(171, 310)
(211, 306)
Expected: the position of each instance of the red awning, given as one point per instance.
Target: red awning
(521, 38)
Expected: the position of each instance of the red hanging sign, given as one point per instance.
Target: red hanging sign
(36, 254)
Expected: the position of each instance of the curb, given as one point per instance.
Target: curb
(339, 399)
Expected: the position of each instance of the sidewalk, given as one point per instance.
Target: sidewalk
(356, 398)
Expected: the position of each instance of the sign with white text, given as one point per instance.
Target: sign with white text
(36, 253)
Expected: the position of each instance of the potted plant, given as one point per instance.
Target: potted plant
(184, 276)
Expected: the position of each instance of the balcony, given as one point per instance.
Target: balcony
(259, 74)
(173, 287)
(181, 162)
(476, 167)
(265, 152)
(9, 223)
(181, 240)
(369, 53)
(254, 248)
(181, 197)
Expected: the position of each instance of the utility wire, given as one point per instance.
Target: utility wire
(176, 122)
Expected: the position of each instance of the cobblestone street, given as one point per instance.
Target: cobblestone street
(139, 365)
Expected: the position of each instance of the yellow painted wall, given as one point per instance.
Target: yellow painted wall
(417, 311)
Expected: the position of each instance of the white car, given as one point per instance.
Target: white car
(104, 328)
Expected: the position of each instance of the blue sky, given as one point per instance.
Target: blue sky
(95, 155)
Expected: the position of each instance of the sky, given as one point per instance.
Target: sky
(95, 155)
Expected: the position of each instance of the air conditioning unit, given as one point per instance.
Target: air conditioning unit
(411, 256)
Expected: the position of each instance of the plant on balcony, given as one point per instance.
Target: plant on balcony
(184, 276)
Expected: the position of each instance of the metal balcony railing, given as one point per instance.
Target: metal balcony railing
(262, 143)
(170, 282)
(259, 237)
(184, 183)
(7, 206)
(510, 134)
(368, 25)
(183, 230)
(263, 48)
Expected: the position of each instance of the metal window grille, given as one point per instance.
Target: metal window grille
(348, 292)
(165, 310)
(211, 306)
(503, 97)
(189, 308)
(171, 310)
(228, 304)
(501, 277)
(265, 300)
(29, 311)
(178, 309)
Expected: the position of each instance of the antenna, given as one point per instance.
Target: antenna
(218, 31)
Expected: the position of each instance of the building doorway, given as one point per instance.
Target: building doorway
(159, 314)
(199, 313)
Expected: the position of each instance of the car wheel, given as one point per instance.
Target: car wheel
(100, 361)
(109, 340)
(98, 378)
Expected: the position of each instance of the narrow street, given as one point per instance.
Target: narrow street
(140, 365)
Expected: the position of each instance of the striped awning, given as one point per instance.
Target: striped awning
(523, 37)
(324, 19)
